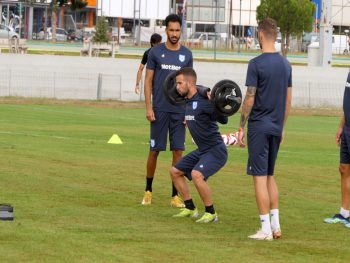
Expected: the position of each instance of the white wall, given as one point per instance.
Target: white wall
(77, 78)
(150, 9)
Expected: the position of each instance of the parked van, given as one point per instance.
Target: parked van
(204, 39)
(340, 44)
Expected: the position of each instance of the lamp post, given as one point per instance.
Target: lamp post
(239, 28)
(347, 45)
(216, 19)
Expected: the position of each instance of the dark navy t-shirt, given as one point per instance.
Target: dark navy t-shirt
(346, 102)
(201, 121)
(271, 74)
(164, 61)
(145, 57)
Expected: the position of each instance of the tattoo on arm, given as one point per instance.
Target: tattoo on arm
(247, 105)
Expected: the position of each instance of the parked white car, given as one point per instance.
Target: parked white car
(339, 44)
(61, 34)
(7, 32)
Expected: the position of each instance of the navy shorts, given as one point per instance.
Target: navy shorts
(345, 146)
(208, 163)
(262, 151)
(168, 122)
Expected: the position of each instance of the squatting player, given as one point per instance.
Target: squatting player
(267, 103)
(343, 138)
(164, 117)
(211, 154)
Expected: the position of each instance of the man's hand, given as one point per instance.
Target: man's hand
(150, 115)
(338, 135)
(137, 89)
(241, 137)
(282, 137)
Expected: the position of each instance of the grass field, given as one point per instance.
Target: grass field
(77, 198)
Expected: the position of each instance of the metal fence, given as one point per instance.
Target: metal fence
(60, 85)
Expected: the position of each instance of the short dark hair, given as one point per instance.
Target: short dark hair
(187, 72)
(155, 39)
(173, 18)
(269, 27)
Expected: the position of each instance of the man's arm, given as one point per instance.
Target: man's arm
(138, 78)
(148, 94)
(246, 110)
(340, 130)
(288, 106)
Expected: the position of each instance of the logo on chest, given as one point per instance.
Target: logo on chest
(194, 105)
(182, 58)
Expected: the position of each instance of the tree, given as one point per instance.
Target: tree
(293, 17)
(101, 30)
(55, 4)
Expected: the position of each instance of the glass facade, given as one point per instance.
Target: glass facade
(206, 10)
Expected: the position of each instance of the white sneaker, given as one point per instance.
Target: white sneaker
(260, 235)
(277, 233)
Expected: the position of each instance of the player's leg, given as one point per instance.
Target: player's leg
(209, 164)
(343, 216)
(274, 143)
(258, 148)
(345, 191)
(178, 173)
(158, 137)
(177, 135)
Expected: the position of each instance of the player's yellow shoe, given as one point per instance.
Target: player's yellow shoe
(176, 201)
(185, 212)
(147, 198)
(208, 217)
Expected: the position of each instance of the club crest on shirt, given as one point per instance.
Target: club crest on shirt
(194, 105)
(182, 58)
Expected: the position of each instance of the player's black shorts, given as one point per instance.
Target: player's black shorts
(168, 122)
(345, 146)
(208, 163)
(262, 151)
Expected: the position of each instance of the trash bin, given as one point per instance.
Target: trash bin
(313, 54)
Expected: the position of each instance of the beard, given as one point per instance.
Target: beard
(174, 40)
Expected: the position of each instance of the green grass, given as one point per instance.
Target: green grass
(77, 198)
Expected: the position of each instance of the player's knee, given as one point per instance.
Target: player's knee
(344, 169)
(197, 176)
(174, 173)
(153, 154)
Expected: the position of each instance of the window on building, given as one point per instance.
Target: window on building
(205, 10)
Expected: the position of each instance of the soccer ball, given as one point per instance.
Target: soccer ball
(233, 138)
(226, 139)
(230, 138)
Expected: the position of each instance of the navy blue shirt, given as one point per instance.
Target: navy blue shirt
(164, 61)
(346, 102)
(201, 121)
(145, 57)
(271, 74)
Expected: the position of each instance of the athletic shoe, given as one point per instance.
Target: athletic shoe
(338, 218)
(260, 235)
(147, 198)
(185, 212)
(347, 225)
(208, 217)
(277, 233)
(176, 201)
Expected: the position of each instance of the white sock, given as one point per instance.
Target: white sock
(344, 213)
(265, 223)
(275, 219)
